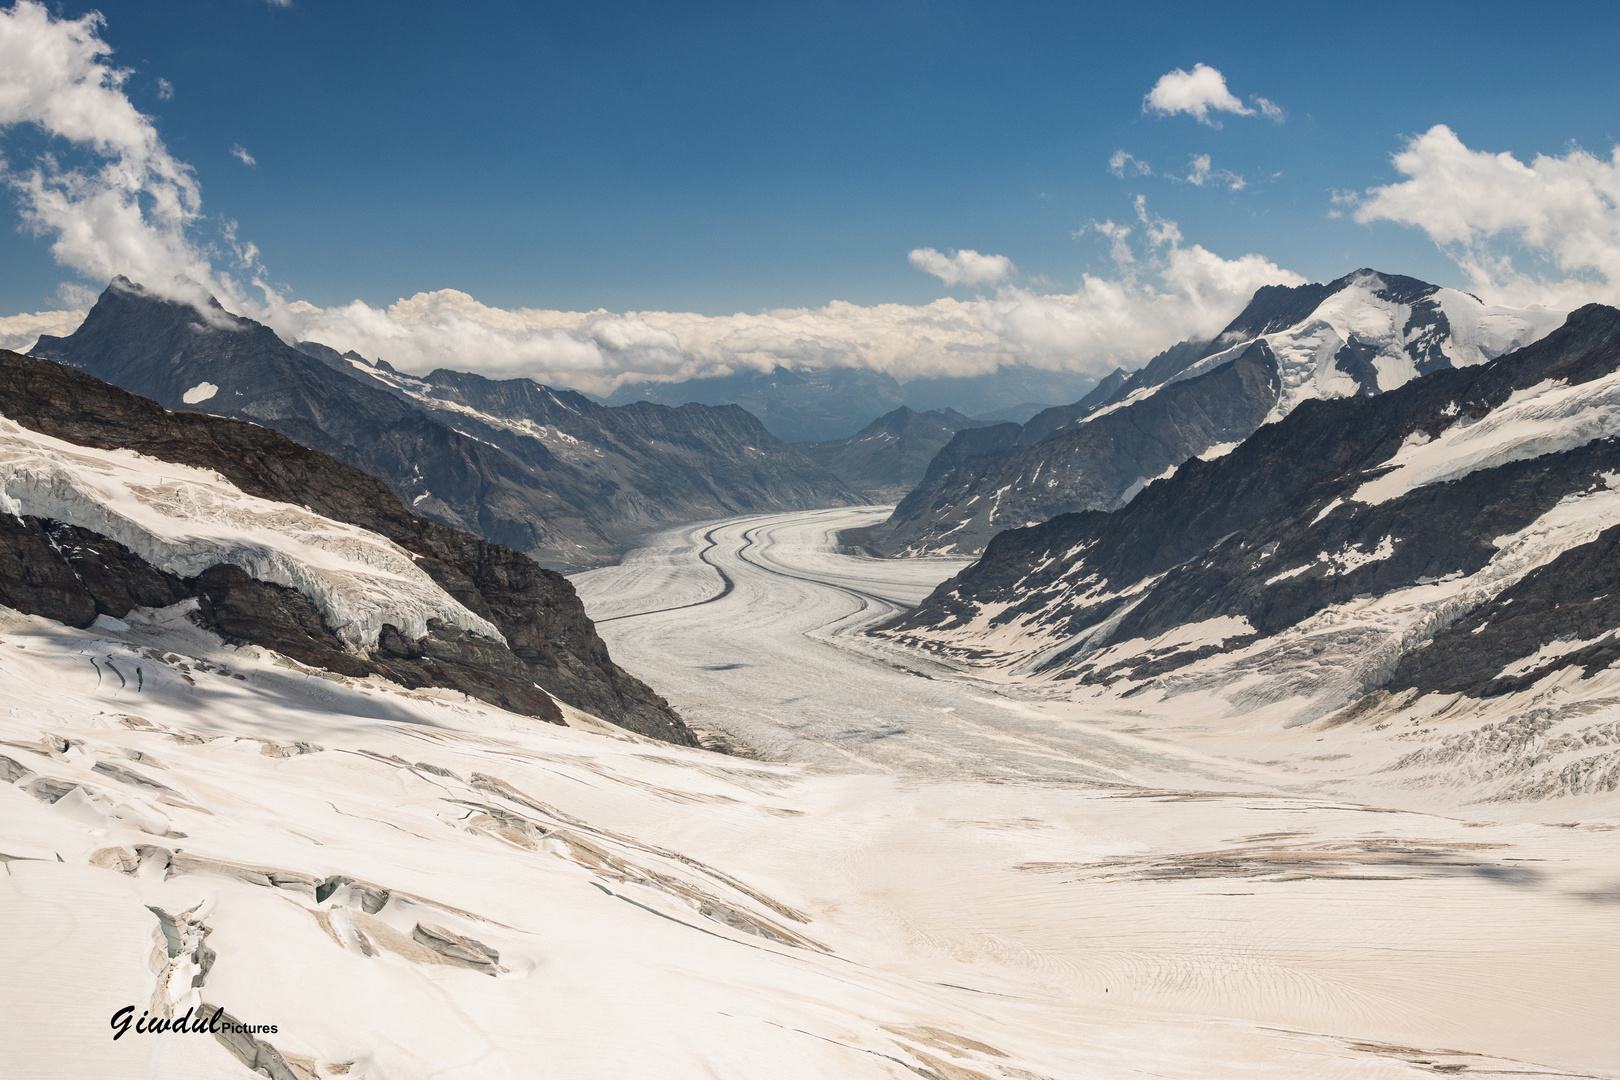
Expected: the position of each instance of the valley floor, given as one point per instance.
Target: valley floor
(905, 869)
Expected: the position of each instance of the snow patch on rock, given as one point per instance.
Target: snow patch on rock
(185, 520)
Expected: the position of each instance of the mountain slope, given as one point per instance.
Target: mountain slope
(826, 405)
(1453, 536)
(113, 502)
(1363, 334)
(547, 472)
(889, 456)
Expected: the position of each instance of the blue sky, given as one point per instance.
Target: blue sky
(736, 157)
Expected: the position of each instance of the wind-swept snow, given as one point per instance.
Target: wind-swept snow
(944, 875)
(1547, 418)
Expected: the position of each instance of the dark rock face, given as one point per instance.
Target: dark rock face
(1097, 453)
(1576, 597)
(1255, 534)
(983, 483)
(572, 501)
(633, 467)
(551, 640)
(887, 458)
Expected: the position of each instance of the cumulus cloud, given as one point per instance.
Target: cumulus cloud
(240, 154)
(1269, 109)
(1544, 232)
(965, 267)
(125, 205)
(165, 90)
(1197, 93)
(1163, 294)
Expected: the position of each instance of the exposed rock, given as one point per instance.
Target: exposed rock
(550, 473)
(1270, 534)
(889, 456)
(551, 640)
(1363, 334)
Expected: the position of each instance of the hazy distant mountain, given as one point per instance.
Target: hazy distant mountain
(1459, 535)
(818, 406)
(1363, 334)
(547, 472)
(885, 459)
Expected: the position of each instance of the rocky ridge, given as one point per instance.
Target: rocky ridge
(887, 458)
(1455, 536)
(75, 575)
(544, 471)
(1363, 334)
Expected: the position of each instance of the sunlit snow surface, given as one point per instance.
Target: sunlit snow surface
(937, 875)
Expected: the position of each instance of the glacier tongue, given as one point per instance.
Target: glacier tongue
(184, 520)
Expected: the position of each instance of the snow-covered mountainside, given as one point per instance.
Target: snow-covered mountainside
(548, 472)
(1457, 536)
(111, 504)
(1365, 334)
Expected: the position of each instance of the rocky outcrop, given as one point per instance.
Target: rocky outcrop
(74, 576)
(888, 457)
(1366, 333)
(981, 484)
(547, 472)
(1503, 538)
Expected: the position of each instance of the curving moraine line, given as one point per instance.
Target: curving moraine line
(726, 585)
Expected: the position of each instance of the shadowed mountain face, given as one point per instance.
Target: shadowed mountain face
(1363, 334)
(547, 472)
(889, 456)
(74, 574)
(1455, 535)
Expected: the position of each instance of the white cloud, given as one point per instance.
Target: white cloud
(1166, 294)
(1122, 163)
(1560, 214)
(19, 332)
(240, 154)
(1197, 93)
(127, 205)
(165, 90)
(965, 267)
(1269, 109)
(1163, 291)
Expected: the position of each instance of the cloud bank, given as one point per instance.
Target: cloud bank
(1547, 232)
(1163, 291)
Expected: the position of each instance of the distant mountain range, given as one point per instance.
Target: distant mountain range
(887, 458)
(1457, 535)
(1363, 334)
(547, 472)
(833, 403)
